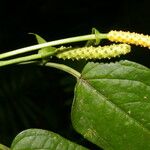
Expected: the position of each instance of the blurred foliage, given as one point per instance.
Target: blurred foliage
(36, 97)
(29, 98)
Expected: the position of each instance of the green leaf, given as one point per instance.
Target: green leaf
(112, 105)
(39, 39)
(3, 147)
(43, 51)
(96, 32)
(37, 139)
(96, 41)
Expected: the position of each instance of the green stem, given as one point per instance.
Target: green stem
(52, 43)
(18, 60)
(64, 68)
(24, 59)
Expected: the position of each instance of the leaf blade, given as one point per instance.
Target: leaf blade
(35, 139)
(100, 105)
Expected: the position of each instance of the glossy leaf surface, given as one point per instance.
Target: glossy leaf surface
(112, 105)
(37, 139)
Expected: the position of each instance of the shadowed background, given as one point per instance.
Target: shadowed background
(40, 97)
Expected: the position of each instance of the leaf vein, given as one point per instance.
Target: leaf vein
(119, 109)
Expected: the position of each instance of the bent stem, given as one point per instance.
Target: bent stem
(64, 68)
(53, 43)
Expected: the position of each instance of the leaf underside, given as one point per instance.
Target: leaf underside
(112, 105)
(37, 139)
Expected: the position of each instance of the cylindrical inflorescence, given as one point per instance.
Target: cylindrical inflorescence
(95, 52)
(129, 38)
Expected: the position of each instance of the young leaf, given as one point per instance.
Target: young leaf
(96, 41)
(43, 51)
(112, 105)
(37, 139)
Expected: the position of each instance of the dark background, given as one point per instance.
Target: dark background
(40, 97)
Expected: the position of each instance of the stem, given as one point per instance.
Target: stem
(18, 60)
(24, 59)
(64, 68)
(52, 43)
